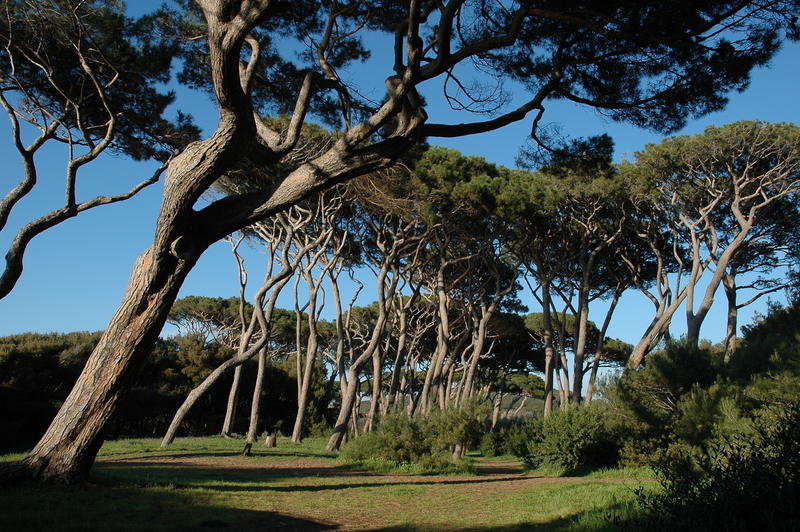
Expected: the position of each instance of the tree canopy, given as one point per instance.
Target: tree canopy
(629, 60)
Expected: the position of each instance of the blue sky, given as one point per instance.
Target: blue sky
(75, 274)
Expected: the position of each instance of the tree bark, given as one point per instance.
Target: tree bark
(311, 354)
(729, 284)
(497, 403)
(233, 398)
(255, 406)
(549, 350)
(67, 450)
(349, 397)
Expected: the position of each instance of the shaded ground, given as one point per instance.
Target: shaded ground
(293, 492)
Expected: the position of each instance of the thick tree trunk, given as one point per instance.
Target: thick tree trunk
(68, 448)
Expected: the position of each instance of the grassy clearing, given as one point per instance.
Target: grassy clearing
(203, 484)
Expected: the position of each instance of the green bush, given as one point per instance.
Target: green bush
(420, 445)
(493, 443)
(512, 439)
(571, 440)
(444, 429)
(676, 406)
(745, 484)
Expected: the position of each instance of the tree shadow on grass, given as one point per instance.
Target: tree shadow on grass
(140, 456)
(232, 479)
(188, 472)
(165, 454)
(116, 508)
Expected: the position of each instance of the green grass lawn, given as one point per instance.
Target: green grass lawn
(204, 484)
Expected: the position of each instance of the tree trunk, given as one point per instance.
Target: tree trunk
(311, 354)
(521, 406)
(432, 376)
(601, 338)
(498, 402)
(549, 351)
(580, 343)
(255, 406)
(233, 397)
(377, 360)
(68, 448)
(276, 284)
(729, 284)
(657, 327)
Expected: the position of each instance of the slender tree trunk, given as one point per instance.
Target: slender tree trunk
(349, 397)
(654, 331)
(498, 402)
(233, 395)
(255, 406)
(377, 363)
(233, 398)
(450, 396)
(245, 353)
(580, 343)
(399, 361)
(521, 406)
(601, 338)
(549, 350)
(311, 354)
(433, 375)
(729, 284)
(695, 319)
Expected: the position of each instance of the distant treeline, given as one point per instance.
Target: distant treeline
(37, 372)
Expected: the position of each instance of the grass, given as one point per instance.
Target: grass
(204, 484)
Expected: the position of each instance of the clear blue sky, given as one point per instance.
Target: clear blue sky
(75, 274)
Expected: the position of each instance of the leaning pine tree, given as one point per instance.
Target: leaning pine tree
(629, 59)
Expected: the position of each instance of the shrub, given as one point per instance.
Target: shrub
(747, 484)
(572, 439)
(675, 406)
(446, 429)
(512, 439)
(421, 445)
(493, 443)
